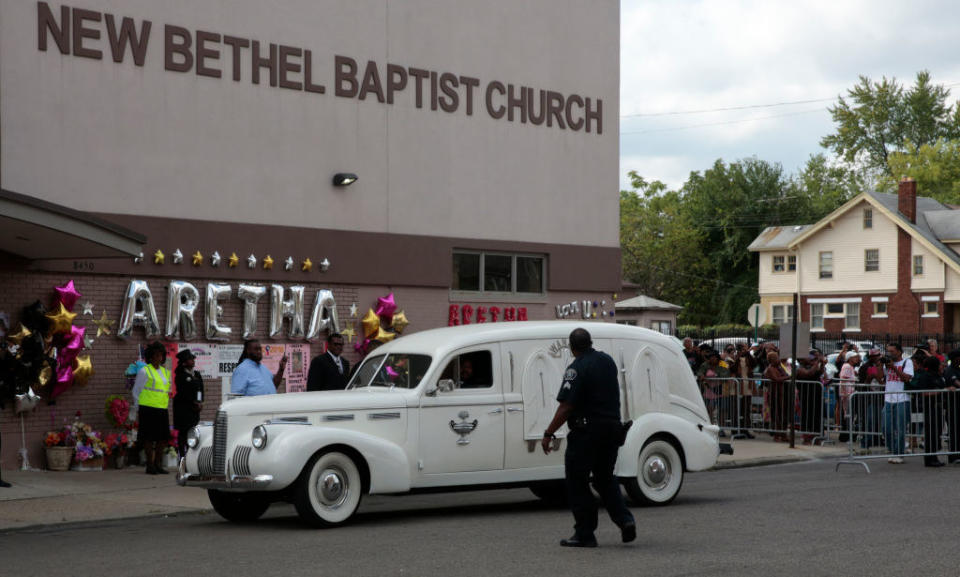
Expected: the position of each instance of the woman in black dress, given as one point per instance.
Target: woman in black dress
(189, 400)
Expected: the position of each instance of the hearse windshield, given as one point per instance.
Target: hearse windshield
(395, 370)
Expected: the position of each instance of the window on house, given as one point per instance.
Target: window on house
(826, 265)
(627, 323)
(879, 309)
(852, 316)
(868, 218)
(835, 309)
(816, 316)
(930, 308)
(781, 314)
(792, 263)
(778, 263)
(918, 265)
(498, 273)
(661, 327)
(871, 260)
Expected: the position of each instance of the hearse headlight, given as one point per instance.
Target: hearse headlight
(259, 438)
(193, 437)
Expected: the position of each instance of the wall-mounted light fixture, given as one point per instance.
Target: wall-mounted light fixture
(344, 179)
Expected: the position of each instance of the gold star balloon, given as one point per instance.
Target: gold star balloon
(384, 336)
(307, 265)
(61, 321)
(104, 325)
(370, 323)
(158, 257)
(233, 261)
(268, 262)
(83, 371)
(18, 337)
(400, 321)
(348, 334)
(197, 258)
(45, 374)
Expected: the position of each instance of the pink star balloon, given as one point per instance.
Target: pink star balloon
(68, 295)
(64, 379)
(386, 306)
(75, 340)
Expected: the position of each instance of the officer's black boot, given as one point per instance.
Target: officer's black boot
(577, 541)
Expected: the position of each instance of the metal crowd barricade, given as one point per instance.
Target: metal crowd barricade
(894, 425)
(759, 405)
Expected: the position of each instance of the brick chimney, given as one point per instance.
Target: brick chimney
(907, 199)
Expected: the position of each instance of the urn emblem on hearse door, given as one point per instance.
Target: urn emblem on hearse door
(463, 428)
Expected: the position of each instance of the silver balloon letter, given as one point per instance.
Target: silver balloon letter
(250, 294)
(138, 310)
(281, 309)
(182, 301)
(324, 317)
(215, 292)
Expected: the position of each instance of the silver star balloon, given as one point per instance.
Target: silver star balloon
(288, 264)
(324, 265)
(353, 309)
(88, 342)
(215, 259)
(139, 258)
(251, 261)
(88, 308)
(177, 256)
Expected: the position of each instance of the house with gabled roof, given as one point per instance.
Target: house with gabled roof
(881, 263)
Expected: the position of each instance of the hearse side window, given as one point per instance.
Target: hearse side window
(470, 370)
(396, 370)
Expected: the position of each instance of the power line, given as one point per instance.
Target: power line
(722, 123)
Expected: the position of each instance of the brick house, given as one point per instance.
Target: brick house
(880, 263)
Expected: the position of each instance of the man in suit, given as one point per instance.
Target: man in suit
(329, 371)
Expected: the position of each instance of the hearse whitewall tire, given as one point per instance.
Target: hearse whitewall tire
(659, 474)
(329, 490)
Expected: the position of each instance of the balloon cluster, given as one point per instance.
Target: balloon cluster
(381, 325)
(48, 347)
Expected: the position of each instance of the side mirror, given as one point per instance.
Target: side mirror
(430, 390)
(446, 385)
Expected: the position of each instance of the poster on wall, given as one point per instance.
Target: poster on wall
(227, 357)
(172, 350)
(207, 362)
(298, 364)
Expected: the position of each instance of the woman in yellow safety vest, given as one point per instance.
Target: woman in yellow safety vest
(152, 392)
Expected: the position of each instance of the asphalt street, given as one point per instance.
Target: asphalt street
(797, 519)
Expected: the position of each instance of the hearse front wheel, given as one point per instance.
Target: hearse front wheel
(329, 490)
(659, 474)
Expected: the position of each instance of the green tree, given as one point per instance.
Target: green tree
(935, 167)
(822, 186)
(877, 119)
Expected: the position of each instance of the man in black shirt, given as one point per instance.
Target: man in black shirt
(590, 405)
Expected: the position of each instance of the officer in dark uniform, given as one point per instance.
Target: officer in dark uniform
(590, 405)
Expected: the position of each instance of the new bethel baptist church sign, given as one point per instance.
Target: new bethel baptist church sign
(79, 32)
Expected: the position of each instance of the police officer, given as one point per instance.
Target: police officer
(590, 405)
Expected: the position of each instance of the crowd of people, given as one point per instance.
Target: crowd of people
(892, 390)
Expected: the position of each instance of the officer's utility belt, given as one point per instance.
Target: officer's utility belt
(583, 422)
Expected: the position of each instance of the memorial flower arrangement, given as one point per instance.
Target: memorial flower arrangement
(117, 411)
(89, 443)
(172, 444)
(131, 373)
(117, 443)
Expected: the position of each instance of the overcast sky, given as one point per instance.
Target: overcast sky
(679, 55)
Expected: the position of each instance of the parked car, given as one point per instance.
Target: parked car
(414, 419)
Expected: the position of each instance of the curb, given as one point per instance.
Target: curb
(760, 462)
(99, 522)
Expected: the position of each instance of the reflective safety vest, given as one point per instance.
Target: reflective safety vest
(156, 391)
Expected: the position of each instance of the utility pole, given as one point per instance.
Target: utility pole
(791, 395)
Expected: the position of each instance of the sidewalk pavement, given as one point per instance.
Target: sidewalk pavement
(41, 498)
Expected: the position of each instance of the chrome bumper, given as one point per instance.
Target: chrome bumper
(185, 479)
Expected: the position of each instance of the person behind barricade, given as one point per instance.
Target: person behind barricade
(745, 363)
(692, 354)
(728, 396)
(152, 391)
(934, 349)
(868, 409)
(777, 376)
(896, 407)
(848, 382)
(951, 378)
(930, 380)
(810, 390)
(710, 374)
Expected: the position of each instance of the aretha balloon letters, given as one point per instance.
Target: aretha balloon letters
(184, 299)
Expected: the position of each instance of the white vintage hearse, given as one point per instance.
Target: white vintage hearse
(449, 408)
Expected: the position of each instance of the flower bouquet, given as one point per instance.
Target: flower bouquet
(90, 447)
(117, 445)
(59, 446)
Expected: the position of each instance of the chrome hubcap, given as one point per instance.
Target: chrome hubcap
(333, 487)
(656, 472)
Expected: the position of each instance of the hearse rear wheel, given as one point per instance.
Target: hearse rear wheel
(659, 474)
(238, 507)
(329, 490)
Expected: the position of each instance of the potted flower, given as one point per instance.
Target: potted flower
(170, 452)
(59, 453)
(116, 445)
(88, 444)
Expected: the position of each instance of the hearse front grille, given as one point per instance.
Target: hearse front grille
(220, 442)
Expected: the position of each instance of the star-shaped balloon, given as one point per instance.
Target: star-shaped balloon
(88, 342)
(307, 265)
(87, 308)
(68, 295)
(158, 257)
(353, 310)
(197, 258)
(75, 342)
(61, 321)
(18, 337)
(139, 258)
(233, 261)
(384, 336)
(83, 371)
(370, 323)
(251, 261)
(177, 256)
(46, 373)
(288, 263)
(104, 325)
(268, 262)
(324, 265)
(400, 321)
(215, 259)
(348, 334)
(386, 306)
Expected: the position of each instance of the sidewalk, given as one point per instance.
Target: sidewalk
(40, 498)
